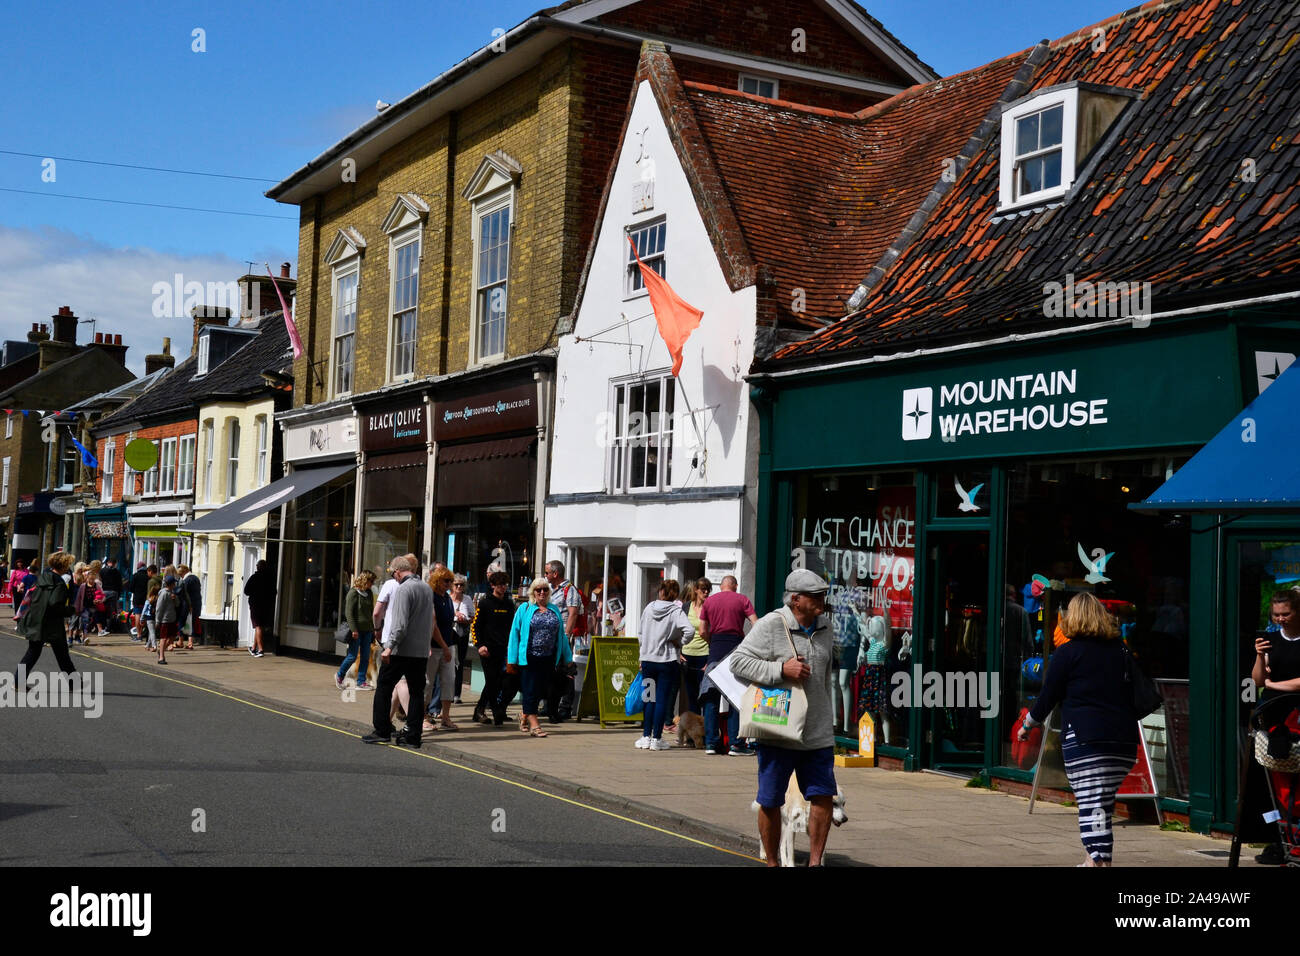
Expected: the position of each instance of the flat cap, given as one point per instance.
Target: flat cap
(804, 581)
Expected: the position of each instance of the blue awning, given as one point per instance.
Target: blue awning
(1253, 464)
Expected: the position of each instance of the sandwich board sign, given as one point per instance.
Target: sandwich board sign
(612, 664)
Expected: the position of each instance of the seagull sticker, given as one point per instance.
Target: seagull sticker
(1096, 565)
(967, 499)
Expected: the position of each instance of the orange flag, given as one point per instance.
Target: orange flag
(676, 318)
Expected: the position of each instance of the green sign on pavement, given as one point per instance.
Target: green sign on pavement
(611, 667)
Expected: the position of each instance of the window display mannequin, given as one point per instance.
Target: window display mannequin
(846, 627)
(873, 690)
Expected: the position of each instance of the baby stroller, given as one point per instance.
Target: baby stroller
(1276, 731)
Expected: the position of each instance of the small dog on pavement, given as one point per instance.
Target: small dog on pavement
(794, 819)
(690, 727)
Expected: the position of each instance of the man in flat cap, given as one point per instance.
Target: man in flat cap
(406, 653)
(794, 643)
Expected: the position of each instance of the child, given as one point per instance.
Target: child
(147, 617)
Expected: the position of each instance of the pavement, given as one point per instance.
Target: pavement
(894, 818)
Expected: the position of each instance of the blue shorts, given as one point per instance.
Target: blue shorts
(812, 769)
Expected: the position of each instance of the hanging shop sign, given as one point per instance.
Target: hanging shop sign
(323, 439)
(1137, 393)
(38, 503)
(399, 427)
(513, 408)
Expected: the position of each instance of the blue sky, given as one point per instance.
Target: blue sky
(278, 83)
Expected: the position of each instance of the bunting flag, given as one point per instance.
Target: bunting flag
(87, 459)
(288, 318)
(676, 318)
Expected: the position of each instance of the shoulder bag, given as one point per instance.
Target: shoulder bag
(775, 714)
(1146, 699)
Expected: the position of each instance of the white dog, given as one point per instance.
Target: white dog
(794, 819)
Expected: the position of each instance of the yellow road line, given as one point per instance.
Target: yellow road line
(416, 753)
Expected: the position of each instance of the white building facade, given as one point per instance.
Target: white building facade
(653, 476)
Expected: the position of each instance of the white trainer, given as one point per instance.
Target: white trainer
(643, 743)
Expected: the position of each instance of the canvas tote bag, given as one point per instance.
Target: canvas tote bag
(775, 714)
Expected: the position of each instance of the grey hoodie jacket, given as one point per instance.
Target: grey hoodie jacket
(761, 654)
(664, 626)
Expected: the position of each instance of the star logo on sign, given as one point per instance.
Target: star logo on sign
(1277, 370)
(916, 414)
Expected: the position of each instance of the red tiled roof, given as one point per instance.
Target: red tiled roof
(1195, 194)
(812, 195)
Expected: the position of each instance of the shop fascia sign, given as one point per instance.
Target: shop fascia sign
(394, 428)
(1033, 401)
(334, 437)
(507, 409)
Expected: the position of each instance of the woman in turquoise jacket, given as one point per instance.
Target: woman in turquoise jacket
(537, 647)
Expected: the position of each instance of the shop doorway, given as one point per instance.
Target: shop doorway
(956, 650)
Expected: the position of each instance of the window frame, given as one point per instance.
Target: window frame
(1068, 99)
(150, 489)
(4, 480)
(233, 438)
(69, 458)
(209, 442)
(758, 81)
(205, 350)
(263, 451)
(619, 461)
(397, 242)
(349, 269)
(9, 425)
(484, 206)
(106, 473)
(631, 273)
(167, 467)
(185, 473)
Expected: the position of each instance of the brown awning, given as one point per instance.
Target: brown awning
(396, 480)
(497, 472)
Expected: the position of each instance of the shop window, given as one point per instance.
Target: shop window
(1070, 530)
(642, 448)
(389, 534)
(321, 531)
(858, 531)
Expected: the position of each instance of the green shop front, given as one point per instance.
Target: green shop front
(956, 501)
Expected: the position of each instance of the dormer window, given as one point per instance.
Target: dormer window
(204, 349)
(1047, 138)
(759, 86)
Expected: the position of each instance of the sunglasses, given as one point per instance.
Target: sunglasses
(541, 590)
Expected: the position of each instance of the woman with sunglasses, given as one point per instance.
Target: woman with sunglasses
(695, 652)
(463, 606)
(537, 647)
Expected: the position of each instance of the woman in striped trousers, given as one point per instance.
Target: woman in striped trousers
(1087, 676)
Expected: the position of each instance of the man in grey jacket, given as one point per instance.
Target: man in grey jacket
(406, 654)
(794, 644)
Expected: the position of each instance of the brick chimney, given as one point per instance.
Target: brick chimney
(284, 270)
(207, 315)
(112, 344)
(38, 333)
(164, 359)
(65, 326)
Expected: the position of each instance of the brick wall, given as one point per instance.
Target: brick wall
(758, 29)
(729, 79)
(153, 433)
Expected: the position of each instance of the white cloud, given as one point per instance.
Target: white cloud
(41, 270)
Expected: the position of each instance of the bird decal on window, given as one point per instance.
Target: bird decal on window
(1096, 564)
(967, 498)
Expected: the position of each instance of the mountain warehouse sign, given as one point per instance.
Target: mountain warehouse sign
(1170, 387)
(1028, 402)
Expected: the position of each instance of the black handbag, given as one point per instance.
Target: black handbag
(1146, 698)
